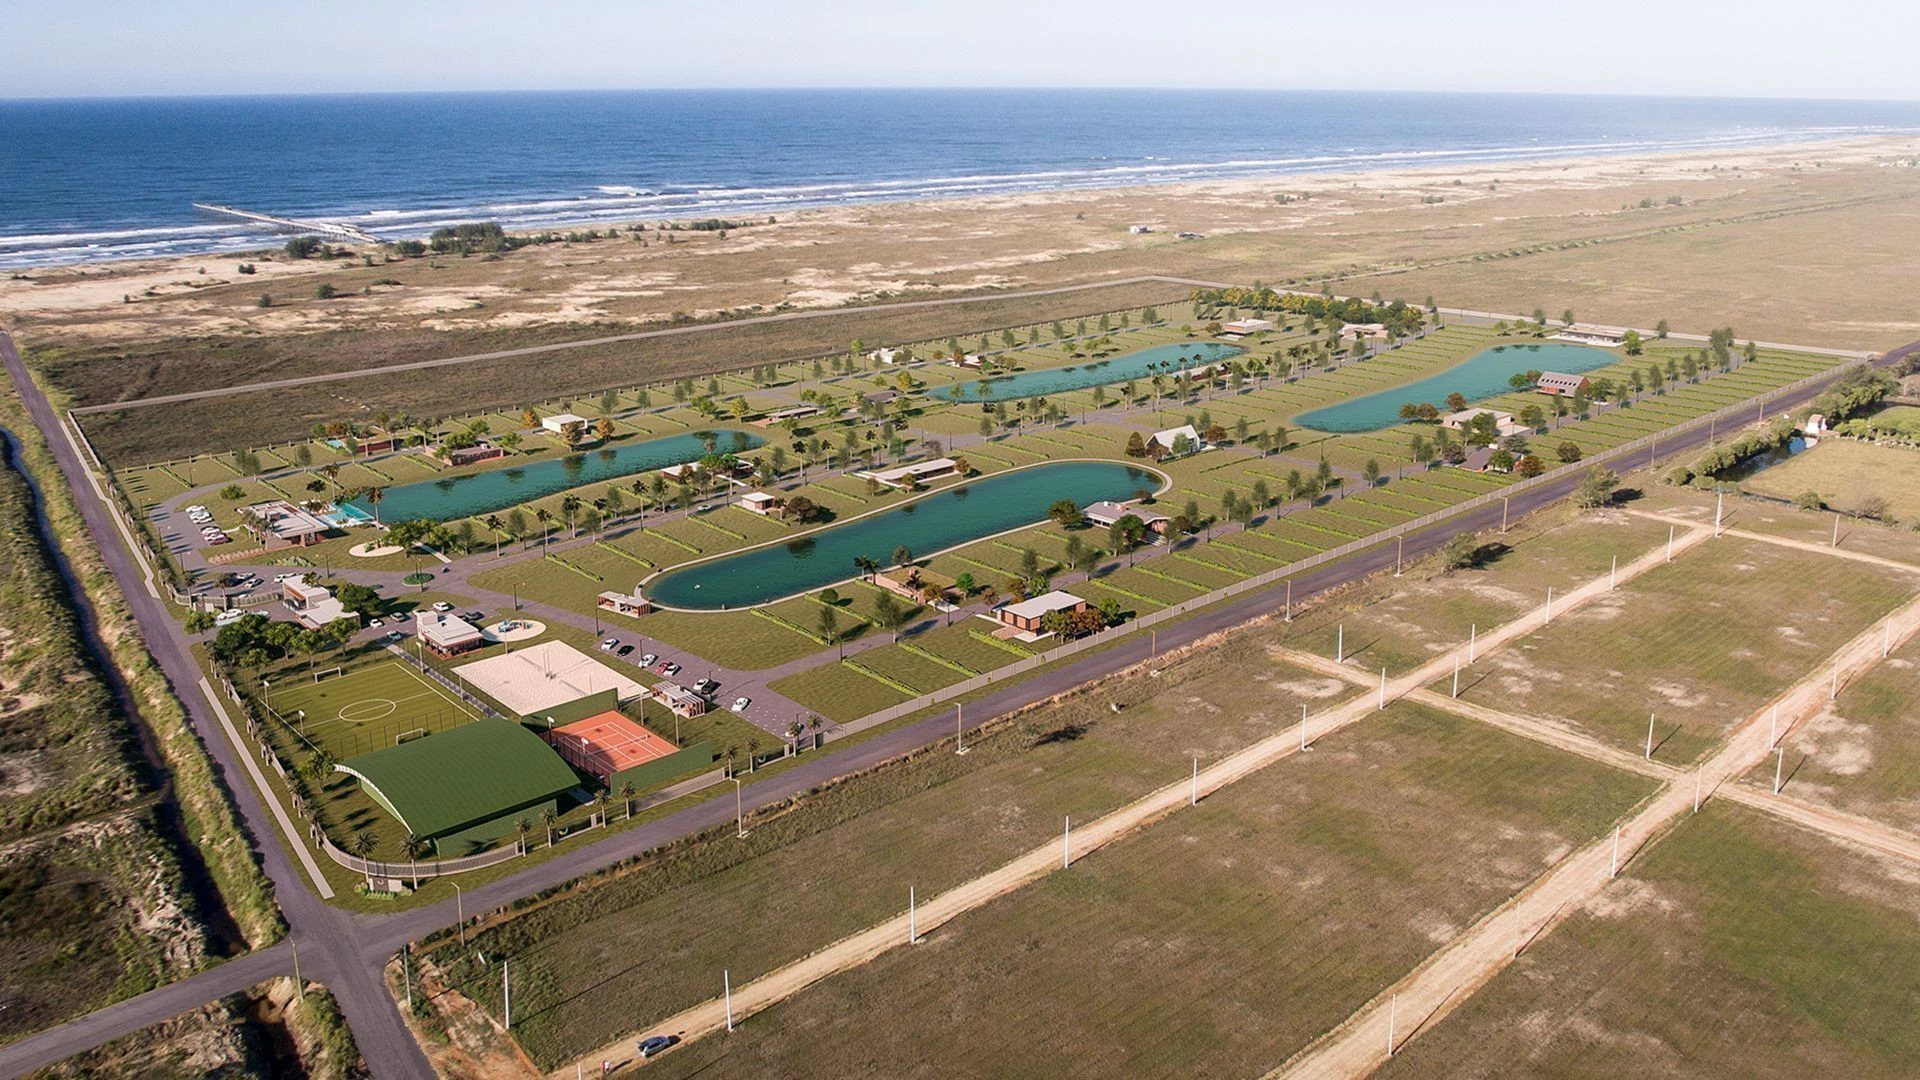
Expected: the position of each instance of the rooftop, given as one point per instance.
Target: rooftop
(1040, 605)
(469, 774)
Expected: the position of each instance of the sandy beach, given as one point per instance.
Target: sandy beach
(1771, 240)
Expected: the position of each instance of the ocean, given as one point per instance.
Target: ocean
(88, 180)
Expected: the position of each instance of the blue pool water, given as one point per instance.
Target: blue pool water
(935, 523)
(1118, 369)
(1482, 376)
(511, 485)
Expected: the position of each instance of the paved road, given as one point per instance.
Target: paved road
(347, 951)
(616, 339)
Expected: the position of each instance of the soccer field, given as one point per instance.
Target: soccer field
(360, 710)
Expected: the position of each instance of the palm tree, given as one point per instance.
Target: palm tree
(569, 506)
(363, 844)
(794, 729)
(414, 844)
(753, 752)
(814, 724)
(549, 817)
(626, 795)
(732, 753)
(600, 800)
(493, 523)
(374, 495)
(521, 827)
(543, 515)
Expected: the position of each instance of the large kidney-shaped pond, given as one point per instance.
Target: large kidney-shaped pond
(1482, 376)
(510, 485)
(934, 523)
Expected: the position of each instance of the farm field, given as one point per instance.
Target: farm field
(845, 857)
(1698, 644)
(1737, 946)
(1234, 932)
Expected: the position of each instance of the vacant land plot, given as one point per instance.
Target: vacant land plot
(1738, 946)
(1400, 624)
(1849, 476)
(1862, 753)
(1813, 527)
(1697, 644)
(598, 964)
(1219, 941)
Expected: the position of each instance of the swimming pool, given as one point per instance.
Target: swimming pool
(510, 485)
(1481, 376)
(1166, 359)
(935, 523)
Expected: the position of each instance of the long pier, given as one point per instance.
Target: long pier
(287, 224)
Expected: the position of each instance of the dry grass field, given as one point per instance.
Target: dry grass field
(1739, 946)
(1215, 943)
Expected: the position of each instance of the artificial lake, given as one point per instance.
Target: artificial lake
(1482, 376)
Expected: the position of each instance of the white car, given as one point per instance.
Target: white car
(229, 616)
(279, 578)
(648, 659)
(740, 704)
(374, 624)
(607, 645)
(442, 607)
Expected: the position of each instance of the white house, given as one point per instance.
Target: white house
(1363, 331)
(760, 502)
(1166, 439)
(1243, 327)
(885, 356)
(1104, 514)
(556, 425)
(1026, 616)
(902, 475)
(1503, 422)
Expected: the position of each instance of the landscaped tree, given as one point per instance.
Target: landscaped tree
(829, 624)
(1632, 342)
(1463, 552)
(549, 817)
(363, 844)
(521, 827)
(1529, 466)
(889, 614)
(626, 796)
(902, 556)
(1066, 513)
(1324, 474)
(1597, 489)
(1568, 452)
(1136, 445)
(1456, 402)
(374, 496)
(1372, 472)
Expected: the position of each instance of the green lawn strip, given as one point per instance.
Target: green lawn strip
(903, 666)
(838, 692)
(624, 554)
(743, 640)
(1181, 917)
(655, 532)
(945, 662)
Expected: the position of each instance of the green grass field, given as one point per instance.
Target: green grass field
(366, 708)
(1737, 946)
(1216, 942)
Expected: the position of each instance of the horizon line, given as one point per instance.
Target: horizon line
(924, 88)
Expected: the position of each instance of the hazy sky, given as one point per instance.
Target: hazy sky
(1763, 48)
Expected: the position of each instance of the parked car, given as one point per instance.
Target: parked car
(220, 539)
(705, 686)
(280, 578)
(394, 635)
(229, 616)
(474, 617)
(740, 704)
(374, 624)
(442, 607)
(657, 1044)
(648, 659)
(672, 670)
(607, 645)
(624, 650)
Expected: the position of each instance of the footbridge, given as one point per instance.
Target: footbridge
(287, 224)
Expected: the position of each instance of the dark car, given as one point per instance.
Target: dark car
(473, 617)
(657, 1044)
(624, 650)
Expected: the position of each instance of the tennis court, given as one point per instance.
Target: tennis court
(354, 711)
(607, 744)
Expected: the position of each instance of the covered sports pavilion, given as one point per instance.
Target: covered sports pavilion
(463, 788)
